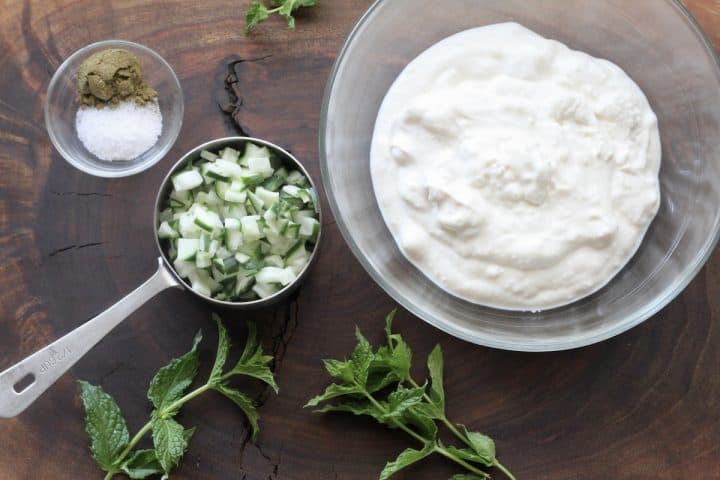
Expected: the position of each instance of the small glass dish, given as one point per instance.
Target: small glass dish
(61, 107)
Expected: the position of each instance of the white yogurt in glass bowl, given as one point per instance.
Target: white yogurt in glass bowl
(514, 172)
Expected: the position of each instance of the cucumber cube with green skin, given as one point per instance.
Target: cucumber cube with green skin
(296, 216)
(230, 154)
(274, 261)
(273, 183)
(243, 283)
(233, 239)
(283, 276)
(250, 230)
(295, 178)
(235, 197)
(214, 246)
(235, 211)
(261, 165)
(221, 188)
(292, 230)
(201, 282)
(297, 257)
(241, 257)
(187, 226)
(232, 223)
(186, 180)
(265, 290)
(183, 198)
(227, 265)
(207, 219)
(257, 202)
(304, 195)
(212, 172)
(291, 190)
(184, 267)
(309, 227)
(252, 180)
(209, 156)
(187, 248)
(269, 198)
(205, 240)
(203, 259)
(282, 173)
(229, 168)
(166, 231)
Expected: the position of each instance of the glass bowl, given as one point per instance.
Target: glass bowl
(61, 106)
(658, 44)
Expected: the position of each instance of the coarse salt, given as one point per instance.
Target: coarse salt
(123, 132)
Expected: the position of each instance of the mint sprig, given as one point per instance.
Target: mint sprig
(110, 445)
(378, 383)
(258, 12)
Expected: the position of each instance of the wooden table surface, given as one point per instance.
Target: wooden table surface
(644, 405)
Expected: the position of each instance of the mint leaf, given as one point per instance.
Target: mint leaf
(402, 399)
(406, 458)
(388, 324)
(253, 363)
(104, 425)
(171, 381)
(340, 370)
(332, 391)
(469, 454)
(361, 358)
(382, 372)
(483, 446)
(245, 404)
(169, 441)
(422, 423)
(400, 354)
(257, 13)
(141, 464)
(468, 476)
(286, 12)
(222, 350)
(437, 391)
(188, 434)
(356, 407)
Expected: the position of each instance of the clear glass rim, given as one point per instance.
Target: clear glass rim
(137, 168)
(571, 342)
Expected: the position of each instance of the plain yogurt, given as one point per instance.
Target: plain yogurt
(513, 171)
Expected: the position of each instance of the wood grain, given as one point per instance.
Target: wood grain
(643, 405)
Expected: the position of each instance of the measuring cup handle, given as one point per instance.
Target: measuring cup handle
(24, 382)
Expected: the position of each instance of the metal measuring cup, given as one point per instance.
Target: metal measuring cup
(24, 382)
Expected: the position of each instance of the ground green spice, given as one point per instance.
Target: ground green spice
(110, 76)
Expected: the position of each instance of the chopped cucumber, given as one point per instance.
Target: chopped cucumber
(166, 231)
(239, 226)
(187, 248)
(187, 180)
(283, 276)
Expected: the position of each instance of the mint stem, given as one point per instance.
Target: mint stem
(461, 462)
(420, 438)
(502, 468)
(451, 426)
(148, 426)
(400, 425)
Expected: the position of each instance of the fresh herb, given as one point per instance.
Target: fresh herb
(110, 441)
(258, 12)
(378, 383)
